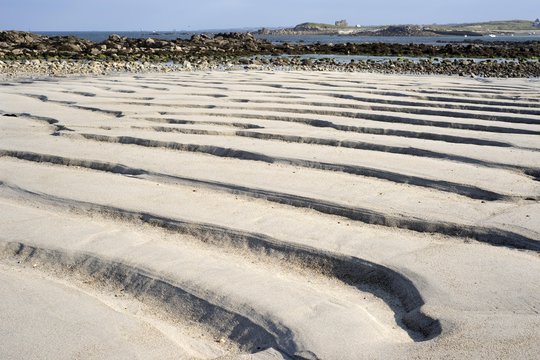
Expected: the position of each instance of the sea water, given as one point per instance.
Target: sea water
(98, 36)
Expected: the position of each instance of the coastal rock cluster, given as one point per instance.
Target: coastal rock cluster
(21, 45)
(22, 52)
(445, 67)
(459, 67)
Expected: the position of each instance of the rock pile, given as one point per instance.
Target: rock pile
(22, 52)
(23, 46)
(446, 67)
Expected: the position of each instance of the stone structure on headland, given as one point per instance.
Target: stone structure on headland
(341, 27)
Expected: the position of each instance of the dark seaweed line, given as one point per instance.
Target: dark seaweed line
(414, 107)
(488, 89)
(193, 122)
(419, 108)
(338, 83)
(534, 172)
(350, 128)
(53, 122)
(383, 87)
(376, 91)
(469, 104)
(447, 91)
(443, 98)
(514, 103)
(355, 115)
(322, 123)
(74, 105)
(451, 92)
(185, 131)
(142, 284)
(368, 116)
(485, 91)
(364, 275)
(488, 235)
(415, 111)
(470, 191)
(485, 95)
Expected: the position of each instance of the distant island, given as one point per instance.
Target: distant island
(341, 27)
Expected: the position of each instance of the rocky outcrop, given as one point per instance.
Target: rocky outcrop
(19, 37)
(403, 30)
(424, 67)
(19, 50)
(19, 45)
(228, 46)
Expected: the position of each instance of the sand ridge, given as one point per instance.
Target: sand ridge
(328, 215)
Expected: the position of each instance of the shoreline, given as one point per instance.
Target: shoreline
(459, 68)
(23, 52)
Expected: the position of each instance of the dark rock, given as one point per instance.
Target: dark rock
(199, 37)
(19, 37)
(95, 51)
(70, 47)
(233, 47)
(114, 38)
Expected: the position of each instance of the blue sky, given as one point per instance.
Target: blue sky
(110, 15)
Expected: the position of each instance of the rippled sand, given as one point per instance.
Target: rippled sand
(316, 215)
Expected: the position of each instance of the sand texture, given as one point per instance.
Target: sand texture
(269, 216)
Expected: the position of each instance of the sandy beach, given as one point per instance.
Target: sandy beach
(269, 215)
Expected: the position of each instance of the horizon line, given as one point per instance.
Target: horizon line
(267, 27)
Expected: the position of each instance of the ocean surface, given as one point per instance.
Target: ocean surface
(98, 36)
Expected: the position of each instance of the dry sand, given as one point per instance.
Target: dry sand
(269, 215)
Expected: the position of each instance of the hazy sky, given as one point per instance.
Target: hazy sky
(118, 15)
